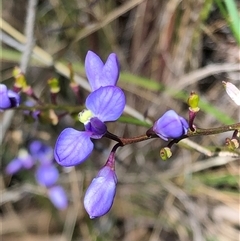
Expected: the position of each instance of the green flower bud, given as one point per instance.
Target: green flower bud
(193, 102)
(20, 80)
(54, 85)
(165, 153)
(232, 144)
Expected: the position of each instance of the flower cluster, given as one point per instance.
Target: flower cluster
(105, 103)
(8, 98)
(46, 174)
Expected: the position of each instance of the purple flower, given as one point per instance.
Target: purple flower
(23, 161)
(41, 152)
(100, 194)
(35, 113)
(170, 126)
(8, 98)
(14, 166)
(100, 74)
(104, 104)
(47, 175)
(58, 197)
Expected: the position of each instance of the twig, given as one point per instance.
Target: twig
(195, 76)
(29, 33)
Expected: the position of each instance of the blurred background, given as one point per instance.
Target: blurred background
(166, 50)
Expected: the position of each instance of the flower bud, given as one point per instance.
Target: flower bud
(54, 85)
(58, 197)
(20, 80)
(100, 194)
(232, 144)
(170, 126)
(165, 153)
(193, 101)
(47, 175)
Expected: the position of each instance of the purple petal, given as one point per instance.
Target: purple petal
(100, 194)
(97, 127)
(170, 126)
(110, 71)
(26, 159)
(27, 162)
(14, 98)
(72, 147)
(14, 166)
(47, 175)
(106, 103)
(34, 114)
(41, 152)
(4, 99)
(93, 67)
(184, 124)
(58, 197)
(99, 74)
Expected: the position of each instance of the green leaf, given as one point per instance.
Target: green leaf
(134, 121)
(229, 11)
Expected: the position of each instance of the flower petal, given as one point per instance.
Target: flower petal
(100, 74)
(93, 67)
(110, 71)
(170, 126)
(58, 197)
(4, 99)
(72, 147)
(14, 98)
(47, 175)
(41, 152)
(97, 127)
(100, 194)
(14, 166)
(106, 103)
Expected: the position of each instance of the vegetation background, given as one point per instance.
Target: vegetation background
(166, 50)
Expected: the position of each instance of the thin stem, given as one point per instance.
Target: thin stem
(44, 107)
(212, 131)
(126, 141)
(191, 118)
(29, 33)
(198, 132)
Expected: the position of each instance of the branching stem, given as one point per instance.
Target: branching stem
(198, 132)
